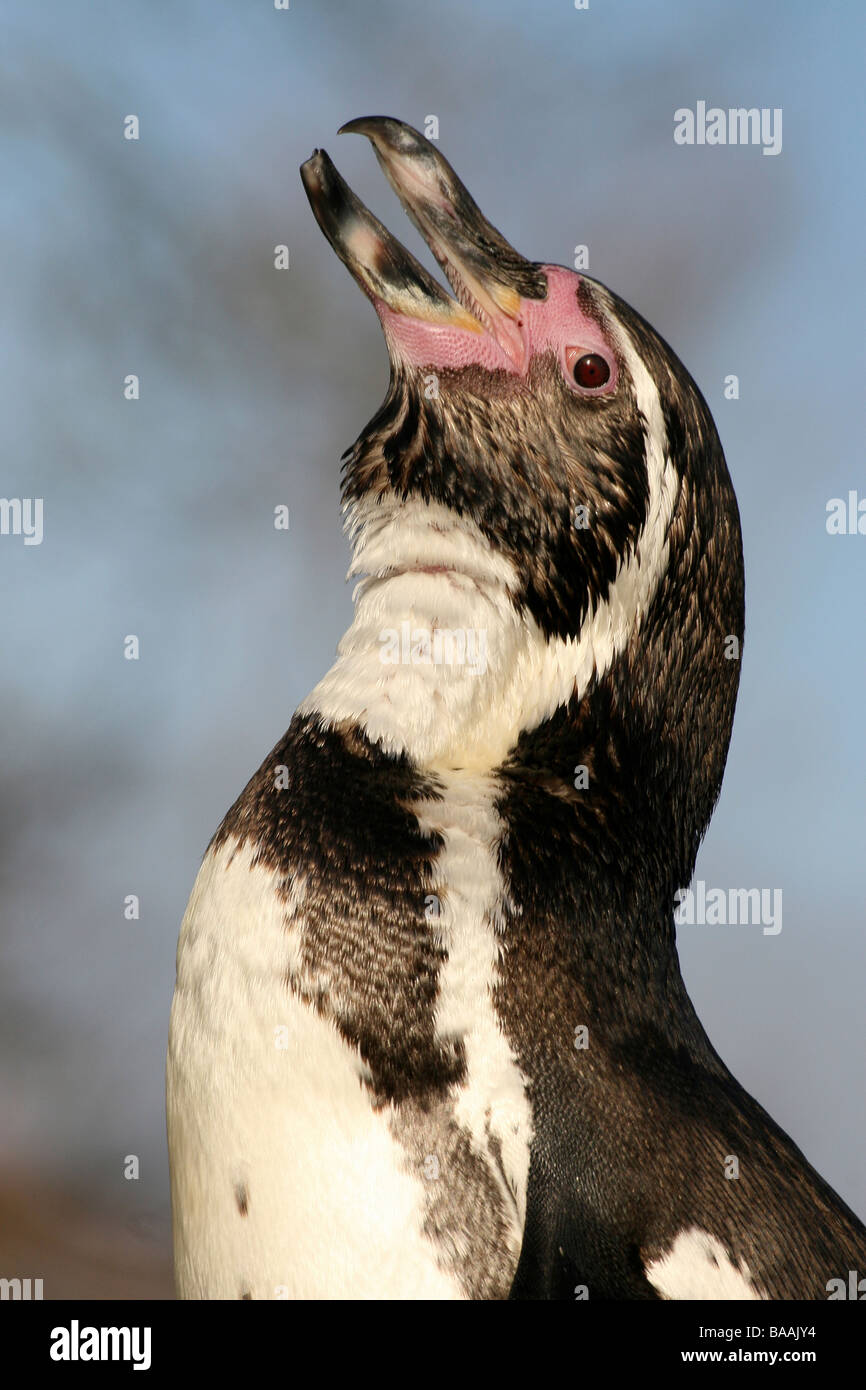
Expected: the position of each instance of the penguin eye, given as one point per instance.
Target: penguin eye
(589, 369)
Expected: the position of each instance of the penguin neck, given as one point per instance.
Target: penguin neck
(441, 664)
(602, 819)
(444, 663)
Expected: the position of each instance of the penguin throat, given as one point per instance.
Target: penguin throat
(443, 664)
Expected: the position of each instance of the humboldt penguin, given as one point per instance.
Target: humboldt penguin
(430, 1038)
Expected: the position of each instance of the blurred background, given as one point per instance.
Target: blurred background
(156, 257)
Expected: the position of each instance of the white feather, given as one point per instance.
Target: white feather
(698, 1266)
(493, 1102)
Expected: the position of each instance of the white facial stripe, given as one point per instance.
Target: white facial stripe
(698, 1266)
(456, 715)
(646, 393)
(493, 1101)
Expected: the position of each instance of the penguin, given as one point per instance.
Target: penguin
(430, 1038)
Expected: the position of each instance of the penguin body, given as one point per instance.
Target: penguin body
(430, 1037)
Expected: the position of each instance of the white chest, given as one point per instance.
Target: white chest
(287, 1179)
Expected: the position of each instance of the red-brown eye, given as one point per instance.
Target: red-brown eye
(591, 370)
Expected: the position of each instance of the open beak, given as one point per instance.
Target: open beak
(488, 276)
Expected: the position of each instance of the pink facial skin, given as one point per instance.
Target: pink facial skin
(556, 322)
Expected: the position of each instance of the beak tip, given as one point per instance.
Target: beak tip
(315, 170)
(310, 176)
(384, 130)
(357, 126)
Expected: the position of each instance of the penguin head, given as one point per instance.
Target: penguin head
(536, 407)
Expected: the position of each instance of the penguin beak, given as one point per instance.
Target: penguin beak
(488, 276)
(384, 269)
